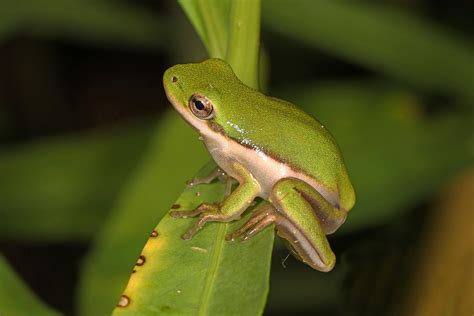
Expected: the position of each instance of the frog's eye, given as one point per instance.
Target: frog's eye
(201, 107)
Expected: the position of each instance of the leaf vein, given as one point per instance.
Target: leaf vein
(212, 271)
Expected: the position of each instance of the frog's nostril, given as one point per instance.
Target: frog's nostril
(174, 79)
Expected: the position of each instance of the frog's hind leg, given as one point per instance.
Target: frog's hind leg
(306, 232)
(330, 217)
(295, 221)
(264, 216)
(208, 178)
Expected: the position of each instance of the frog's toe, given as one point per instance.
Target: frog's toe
(184, 214)
(204, 207)
(190, 183)
(206, 216)
(190, 233)
(193, 230)
(237, 233)
(259, 221)
(261, 225)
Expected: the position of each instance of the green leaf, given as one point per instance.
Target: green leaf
(173, 156)
(61, 188)
(209, 18)
(395, 155)
(91, 21)
(204, 276)
(244, 41)
(382, 39)
(16, 299)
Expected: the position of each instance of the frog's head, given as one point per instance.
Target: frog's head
(198, 92)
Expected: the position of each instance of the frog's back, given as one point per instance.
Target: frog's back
(298, 140)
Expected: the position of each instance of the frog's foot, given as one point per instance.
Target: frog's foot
(207, 213)
(232, 206)
(215, 173)
(265, 216)
(203, 207)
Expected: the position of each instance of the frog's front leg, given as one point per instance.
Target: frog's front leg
(232, 206)
(296, 221)
(216, 173)
(206, 179)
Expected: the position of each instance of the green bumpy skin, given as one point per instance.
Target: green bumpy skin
(274, 150)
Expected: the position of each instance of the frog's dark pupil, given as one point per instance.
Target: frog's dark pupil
(199, 105)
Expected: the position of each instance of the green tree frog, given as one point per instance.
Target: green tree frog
(274, 150)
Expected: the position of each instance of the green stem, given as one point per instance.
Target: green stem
(244, 37)
(214, 17)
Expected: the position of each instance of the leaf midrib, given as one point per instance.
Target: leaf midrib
(212, 271)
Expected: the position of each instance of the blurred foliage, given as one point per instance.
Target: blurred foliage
(381, 38)
(15, 297)
(448, 235)
(209, 18)
(65, 184)
(102, 22)
(112, 186)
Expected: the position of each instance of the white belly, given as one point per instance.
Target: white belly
(266, 170)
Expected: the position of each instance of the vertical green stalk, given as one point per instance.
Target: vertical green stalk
(244, 36)
(230, 30)
(214, 15)
(209, 18)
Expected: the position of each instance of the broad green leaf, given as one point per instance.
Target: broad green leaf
(91, 21)
(173, 156)
(204, 276)
(383, 39)
(395, 155)
(209, 18)
(16, 299)
(61, 188)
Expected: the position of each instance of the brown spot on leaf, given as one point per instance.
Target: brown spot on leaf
(133, 271)
(141, 260)
(154, 234)
(124, 301)
(198, 193)
(175, 206)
